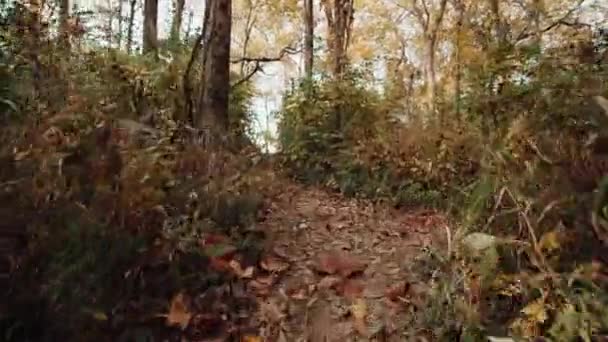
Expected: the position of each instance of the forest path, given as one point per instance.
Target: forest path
(338, 269)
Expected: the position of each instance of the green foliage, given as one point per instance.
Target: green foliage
(513, 164)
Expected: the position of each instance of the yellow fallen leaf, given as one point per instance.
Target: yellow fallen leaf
(100, 316)
(359, 311)
(550, 241)
(536, 311)
(178, 312)
(251, 338)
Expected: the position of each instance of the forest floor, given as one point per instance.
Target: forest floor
(339, 269)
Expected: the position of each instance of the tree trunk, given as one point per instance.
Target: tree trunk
(249, 22)
(432, 77)
(150, 43)
(340, 15)
(109, 29)
(64, 25)
(457, 60)
(213, 108)
(120, 25)
(130, 27)
(176, 24)
(189, 26)
(308, 38)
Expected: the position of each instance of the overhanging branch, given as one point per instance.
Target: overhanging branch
(285, 51)
(258, 63)
(559, 22)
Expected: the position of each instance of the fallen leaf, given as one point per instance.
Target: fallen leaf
(178, 312)
(352, 289)
(261, 285)
(359, 311)
(239, 271)
(219, 264)
(271, 311)
(397, 290)
(320, 326)
(536, 311)
(341, 262)
(273, 264)
(299, 293)
(328, 282)
(251, 338)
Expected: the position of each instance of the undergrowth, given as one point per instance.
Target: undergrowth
(123, 207)
(526, 259)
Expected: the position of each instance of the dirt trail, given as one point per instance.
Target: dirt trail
(337, 269)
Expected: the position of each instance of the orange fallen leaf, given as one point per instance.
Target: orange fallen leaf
(178, 312)
(251, 338)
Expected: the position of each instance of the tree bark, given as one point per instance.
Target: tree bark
(130, 25)
(120, 25)
(150, 43)
(340, 16)
(213, 108)
(308, 38)
(460, 8)
(176, 24)
(64, 24)
(250, 21)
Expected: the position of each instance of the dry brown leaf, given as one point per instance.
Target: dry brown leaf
(261, 285)
(329, 282)
(341, 262)
(271, 312)
(273, 264)
(352, 289)
(178, 312)
(239, 271)
(319, 328)
(397, 290)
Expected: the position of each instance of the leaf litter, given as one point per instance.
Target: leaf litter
(340, 277)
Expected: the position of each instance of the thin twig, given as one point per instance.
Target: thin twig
(494, 211)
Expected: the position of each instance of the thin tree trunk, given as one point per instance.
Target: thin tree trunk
(189, 26)
(150, 43)
(249, 22)
(176, 24)
(109, 30)
(120, 25)
(213, 108)
(457, 60)
(308, 38)
(131, 23)
(431, 76)
(64, 17)
(339, 15)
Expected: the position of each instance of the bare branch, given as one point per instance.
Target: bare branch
(285, 51)
(256, 68)
(559, 22)
(258, 63)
